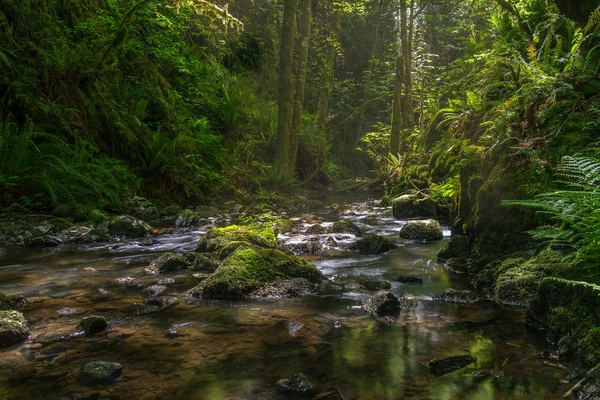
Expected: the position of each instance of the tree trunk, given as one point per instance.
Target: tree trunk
(300, 79)
(284, 116)
(397, 108)
(408, 67)
(326, 88)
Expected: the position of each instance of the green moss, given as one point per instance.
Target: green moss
(570, 308)
(248, 269)
(10, 302)
(219, 238)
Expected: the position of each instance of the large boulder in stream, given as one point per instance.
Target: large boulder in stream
(427, 230)
(447, 365)
(93, 324)
(373, 244)
(413, 206)
(250, 268)
(127, 226)
(225, 240)
(167, 262)
(13, 328)
(383, 304)
(344, 225)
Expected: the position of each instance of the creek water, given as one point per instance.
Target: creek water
(207, 349)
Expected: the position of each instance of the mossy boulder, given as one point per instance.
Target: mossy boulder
(283, 226)
(344, 225)
(13, 328)
(427, 230)
(204, 262)
(569, 309)
(167, 262)
(127, 226)
(101, 370)
(413, 206)
(249, 269)
(457, 246)
(11, 302)
(93, 324)
(374, 244)
(207, 211)
(187, 218)
(316, 229)
(217, 239)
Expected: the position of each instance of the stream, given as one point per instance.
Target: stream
(208, 349)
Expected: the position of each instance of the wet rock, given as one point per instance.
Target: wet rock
(248, 270)
(77, 234)
(165, 281)
(204, 263)
(344, 225)
(372, 220)
(447, 365)
(43, 241)
(297, 383)
(373, 244)
(458, 265)
(101, 370)
(187, 218)
(331, 242)
(383, 304)
(316, 229)
(458, 296)
(218, 239)
(457, 246)
(206, 212)
(297, 287)
(310, 219)
(93, 324)
(155, 290)
(428, 230)
(11, 302)
(413, 206)
(201, 277)
(308, 246)
(154, 305)
(65, 312)
(127, 281)
(283, 226)
(13, 328)
(165, 263)
(128, 226)
(408, 280)
(176, 329)
(373, 284)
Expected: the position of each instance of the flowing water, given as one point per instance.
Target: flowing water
(205, 349)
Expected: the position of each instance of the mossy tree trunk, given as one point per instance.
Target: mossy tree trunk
(397, 108)
(305, 23)
(284, 117)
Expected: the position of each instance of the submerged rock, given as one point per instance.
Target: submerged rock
(447, 365)
(408, 280)
(344, 225)
(428, 230)
(165, 263)
(13, 328)
(373, 244)
(383, 304)
(155, 290)
(128, 226)
(458, 296)
(102, 370)
(297, 383)
(249, 269)
(93, 324)
(154, 305)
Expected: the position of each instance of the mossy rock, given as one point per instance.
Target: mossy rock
(569, 309)
(457, 246)
(428, 230)
(283, 226)
(13, 328)
(249, 269)
(374, 244)
(93, 324)
(11, 302)
(316, 229)
(101, 370)
(218, 238)
(413, 206)
(344, 225)
(128, 226)
(204, 262)
(207, 211)
(167, 262)
(187, 218)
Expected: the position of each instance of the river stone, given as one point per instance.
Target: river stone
(373, 284)
(154, 305)
(297, 383)
(458, 296)
(93, 324)
(373, 244)
(316, 229)
(447, 365)
(204, 263)
(165, 263)
(408, 280)
(155, 290)
(428, 230)
(309, 246)
(66, 311)
(411, 206)
(102, 370)
(187, 218)
(128, 226)
(383, 304)
(11, 302)
(13, 328)
(344, 225)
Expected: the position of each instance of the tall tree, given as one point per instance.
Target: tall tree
(397, 108)
(325, 90)
(305, 22)
(284, 116)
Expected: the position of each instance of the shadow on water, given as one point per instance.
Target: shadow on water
(212, 350)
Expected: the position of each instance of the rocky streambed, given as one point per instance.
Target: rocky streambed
(346, 302)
